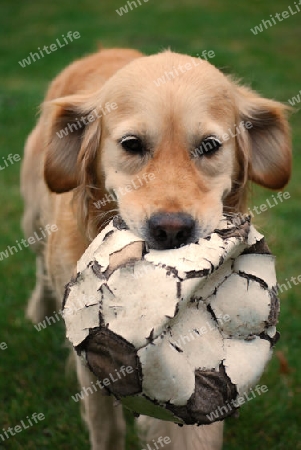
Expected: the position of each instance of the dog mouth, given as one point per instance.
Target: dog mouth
(165, 231)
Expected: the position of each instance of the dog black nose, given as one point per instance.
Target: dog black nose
(170, 230)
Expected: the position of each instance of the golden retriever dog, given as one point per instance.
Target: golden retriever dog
(107, 121)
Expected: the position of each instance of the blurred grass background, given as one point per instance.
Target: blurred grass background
(32, 369)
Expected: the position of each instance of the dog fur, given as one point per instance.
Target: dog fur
(63, 178)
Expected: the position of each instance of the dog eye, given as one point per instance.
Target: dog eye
(208, 147)
(132, 144)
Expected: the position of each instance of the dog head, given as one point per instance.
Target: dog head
(175, 140)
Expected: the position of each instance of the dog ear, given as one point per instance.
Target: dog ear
(72, 137)
(266, 144)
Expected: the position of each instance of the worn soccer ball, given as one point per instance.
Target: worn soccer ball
(175, 334)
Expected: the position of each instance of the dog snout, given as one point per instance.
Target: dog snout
(170, 230)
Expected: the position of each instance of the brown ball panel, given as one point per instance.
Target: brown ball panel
(106, 354)
(214, 393)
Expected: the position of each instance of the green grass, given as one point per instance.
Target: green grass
(32, 369)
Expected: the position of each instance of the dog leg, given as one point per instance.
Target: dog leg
(105, 420)
(206, 437)
(42, 300)
(36, 209)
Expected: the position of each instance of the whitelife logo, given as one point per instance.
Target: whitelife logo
(53, 48)
(207, 146)
(10, 250)
(24, 424)
(94, 115)
(162, 441)
(234, 404)
(57, 315)
(295, 100)
(124, 9)
(196, 333)
(279, 16)
(183, 68)
(270, 203)
(9, 160)
(3, 346)
(123, 371)
(287, 285)
(134, 184)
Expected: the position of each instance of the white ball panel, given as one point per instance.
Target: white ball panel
(166, 374)
(260, 266)
(133, 310)
(114, 243)
(79, 322)
(195, 332)
(247, 304)
(93, 247)
(245, 361)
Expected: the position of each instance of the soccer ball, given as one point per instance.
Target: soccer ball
(175, 334)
